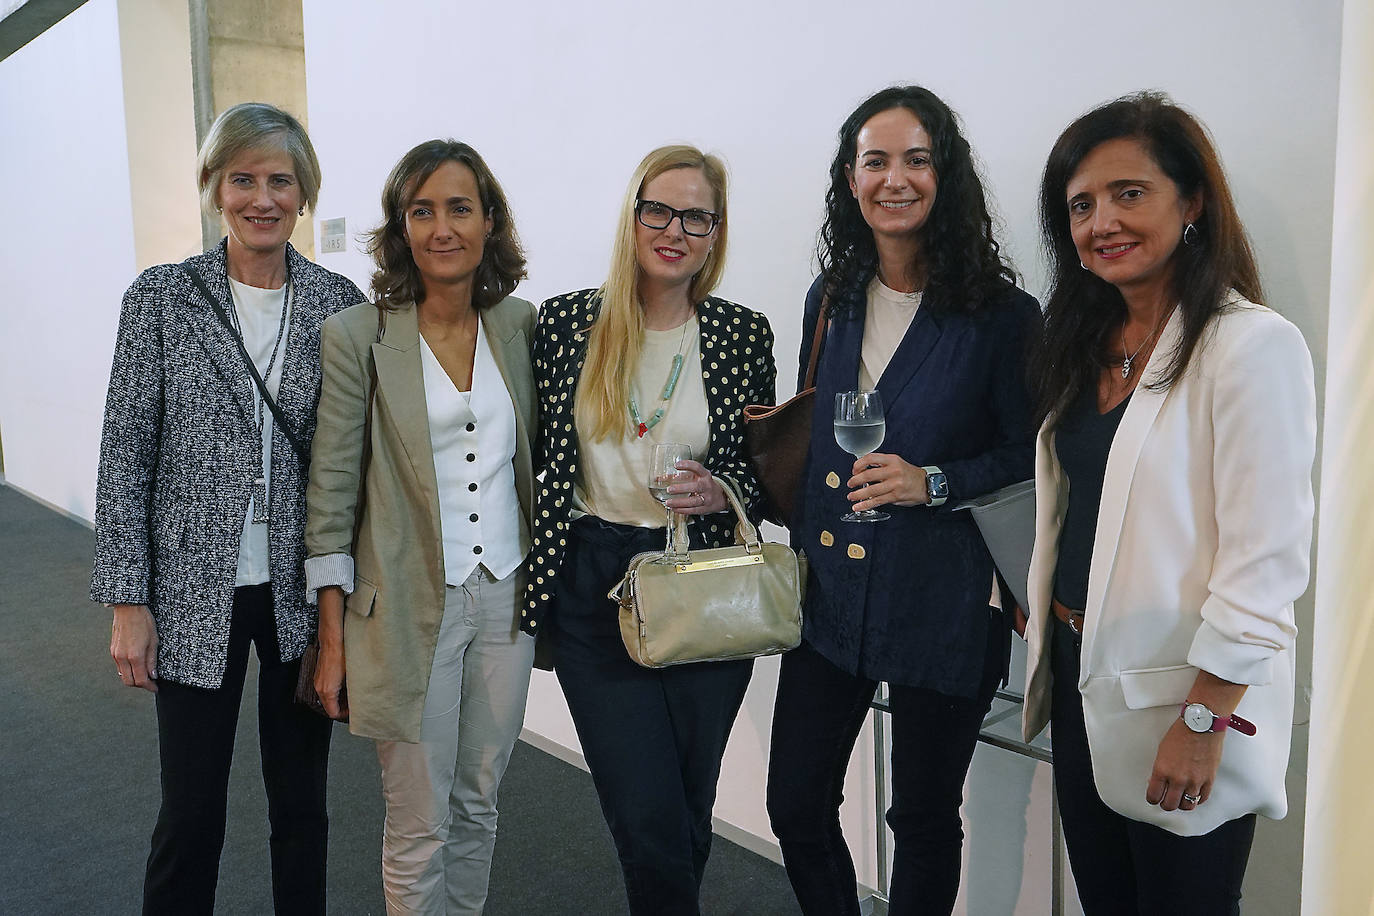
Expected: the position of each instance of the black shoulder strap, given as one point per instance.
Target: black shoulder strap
(267, 399)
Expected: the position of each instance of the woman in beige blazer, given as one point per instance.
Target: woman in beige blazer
(421, 489)
(1174, 517)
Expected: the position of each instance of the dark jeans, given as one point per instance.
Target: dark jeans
(819, 712)
(653, 738)
(1122, 866)
(196, 744)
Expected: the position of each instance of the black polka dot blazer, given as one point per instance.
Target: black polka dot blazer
(737, 369)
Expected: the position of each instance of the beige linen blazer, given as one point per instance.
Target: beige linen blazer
(392, 616)
(1202, 545)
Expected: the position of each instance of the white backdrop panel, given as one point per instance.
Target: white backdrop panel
(564, 99)
(66, 252)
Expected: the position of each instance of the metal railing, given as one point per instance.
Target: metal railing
(876, 903)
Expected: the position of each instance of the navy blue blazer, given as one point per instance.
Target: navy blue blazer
(906, 600)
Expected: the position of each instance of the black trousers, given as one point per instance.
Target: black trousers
(819, 712)
(1121, 866)
(196, 744)
(653, 738)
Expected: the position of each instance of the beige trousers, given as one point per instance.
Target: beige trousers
(440, 794)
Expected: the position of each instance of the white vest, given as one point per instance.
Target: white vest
(473, 437)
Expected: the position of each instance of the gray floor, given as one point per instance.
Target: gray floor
(78, 754)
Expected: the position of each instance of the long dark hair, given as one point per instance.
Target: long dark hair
(397, 280)
(1082, 309)
(960, 257)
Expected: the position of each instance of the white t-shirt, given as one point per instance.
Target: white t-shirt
(889, 315)
(259, 313)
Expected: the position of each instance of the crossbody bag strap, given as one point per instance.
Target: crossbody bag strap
(816, 338)
(267, 398)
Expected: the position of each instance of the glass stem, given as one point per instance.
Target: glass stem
(668, 544)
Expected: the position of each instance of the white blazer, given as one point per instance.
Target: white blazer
(1202, 546)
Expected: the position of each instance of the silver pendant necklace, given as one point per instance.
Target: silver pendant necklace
(1130, 358)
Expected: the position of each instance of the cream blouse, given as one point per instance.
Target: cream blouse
(613, 483)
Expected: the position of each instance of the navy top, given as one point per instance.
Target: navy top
(906, 600)
(1081, 443)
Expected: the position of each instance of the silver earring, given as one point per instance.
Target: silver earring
(1082, 265)
(1191, 234)
(301, 211)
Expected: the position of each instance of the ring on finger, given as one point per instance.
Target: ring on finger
(1195, 799)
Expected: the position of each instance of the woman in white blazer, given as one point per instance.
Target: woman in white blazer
(1173, 516)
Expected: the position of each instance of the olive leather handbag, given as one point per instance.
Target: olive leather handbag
(721, 604)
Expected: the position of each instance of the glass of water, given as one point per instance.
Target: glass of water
(859, 429)
(663, 472)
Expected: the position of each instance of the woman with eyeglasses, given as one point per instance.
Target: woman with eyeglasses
(921, 308)
(651, 356)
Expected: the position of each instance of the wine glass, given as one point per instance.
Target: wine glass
(859, 429)
(662, 472)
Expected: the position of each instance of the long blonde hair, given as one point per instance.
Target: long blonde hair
(616, 339)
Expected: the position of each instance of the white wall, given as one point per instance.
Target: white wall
(66, 251)
(559, 101)
(563, 100)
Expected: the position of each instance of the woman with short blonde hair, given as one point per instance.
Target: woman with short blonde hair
(200, 511)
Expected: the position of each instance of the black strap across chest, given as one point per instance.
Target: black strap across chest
(267, 398)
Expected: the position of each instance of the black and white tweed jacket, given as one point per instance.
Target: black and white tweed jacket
(737, 368)
(179, 454)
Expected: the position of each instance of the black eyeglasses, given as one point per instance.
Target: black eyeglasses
(654, 215)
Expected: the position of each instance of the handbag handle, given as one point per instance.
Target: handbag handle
(816, 338)
(754, 412)
(746, 533)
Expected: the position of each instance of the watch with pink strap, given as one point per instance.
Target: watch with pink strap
(1202, 720)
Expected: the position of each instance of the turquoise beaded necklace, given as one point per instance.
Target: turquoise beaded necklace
(642, 426)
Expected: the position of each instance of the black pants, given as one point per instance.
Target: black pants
(653, 738)
(1122, 866)
(819, 712)
(196, 744)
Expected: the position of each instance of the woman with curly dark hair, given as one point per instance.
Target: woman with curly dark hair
(922, 309)
(420, 500)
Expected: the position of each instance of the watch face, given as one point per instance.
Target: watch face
(1198, 717)
(939, 486)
